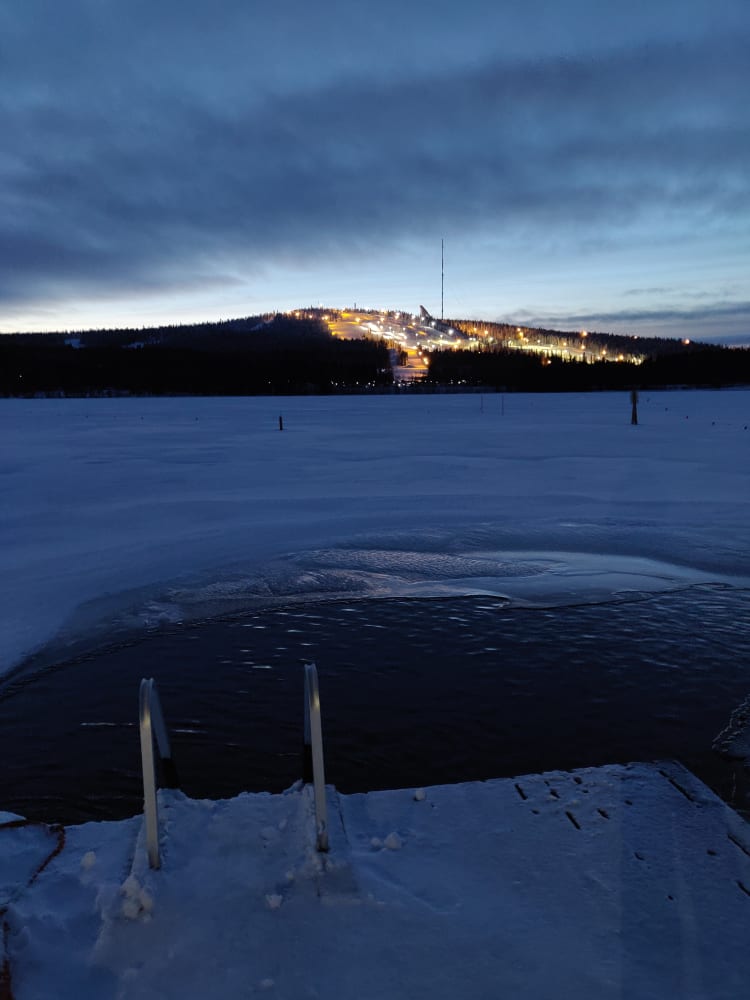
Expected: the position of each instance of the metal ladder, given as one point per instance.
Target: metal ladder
(152, 726)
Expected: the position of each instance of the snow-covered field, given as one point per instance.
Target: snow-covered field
(613, 882)
(120, 513)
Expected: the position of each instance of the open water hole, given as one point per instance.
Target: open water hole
(413, 692)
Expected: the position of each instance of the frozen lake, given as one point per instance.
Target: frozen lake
(487, 590)
(116, 514)
(413, 693)
(489, 587)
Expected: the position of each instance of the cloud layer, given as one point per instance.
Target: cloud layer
(152, 153)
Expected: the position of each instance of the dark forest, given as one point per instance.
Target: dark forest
(253, 356)
(281, 354)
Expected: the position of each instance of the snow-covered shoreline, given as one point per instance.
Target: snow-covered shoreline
(122, 513)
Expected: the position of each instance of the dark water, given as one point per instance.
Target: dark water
(412, 693)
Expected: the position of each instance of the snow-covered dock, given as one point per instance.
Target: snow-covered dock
(619, 881)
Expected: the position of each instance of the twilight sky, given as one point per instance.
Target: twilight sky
(586, 161)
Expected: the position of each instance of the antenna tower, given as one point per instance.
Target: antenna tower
(442, 276)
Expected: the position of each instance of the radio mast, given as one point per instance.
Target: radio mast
(442, 276)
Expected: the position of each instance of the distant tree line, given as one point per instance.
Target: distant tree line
(612, 344)
(517, 370)
(253, 356)
(296, 354)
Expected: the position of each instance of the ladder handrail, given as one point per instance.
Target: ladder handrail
(314, 739)
(151, 725)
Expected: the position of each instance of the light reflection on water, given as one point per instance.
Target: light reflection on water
(413, 693)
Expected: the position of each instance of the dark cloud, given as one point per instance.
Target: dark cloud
(715, 311)
(736, 339)
(726, 322)
(140, 157)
